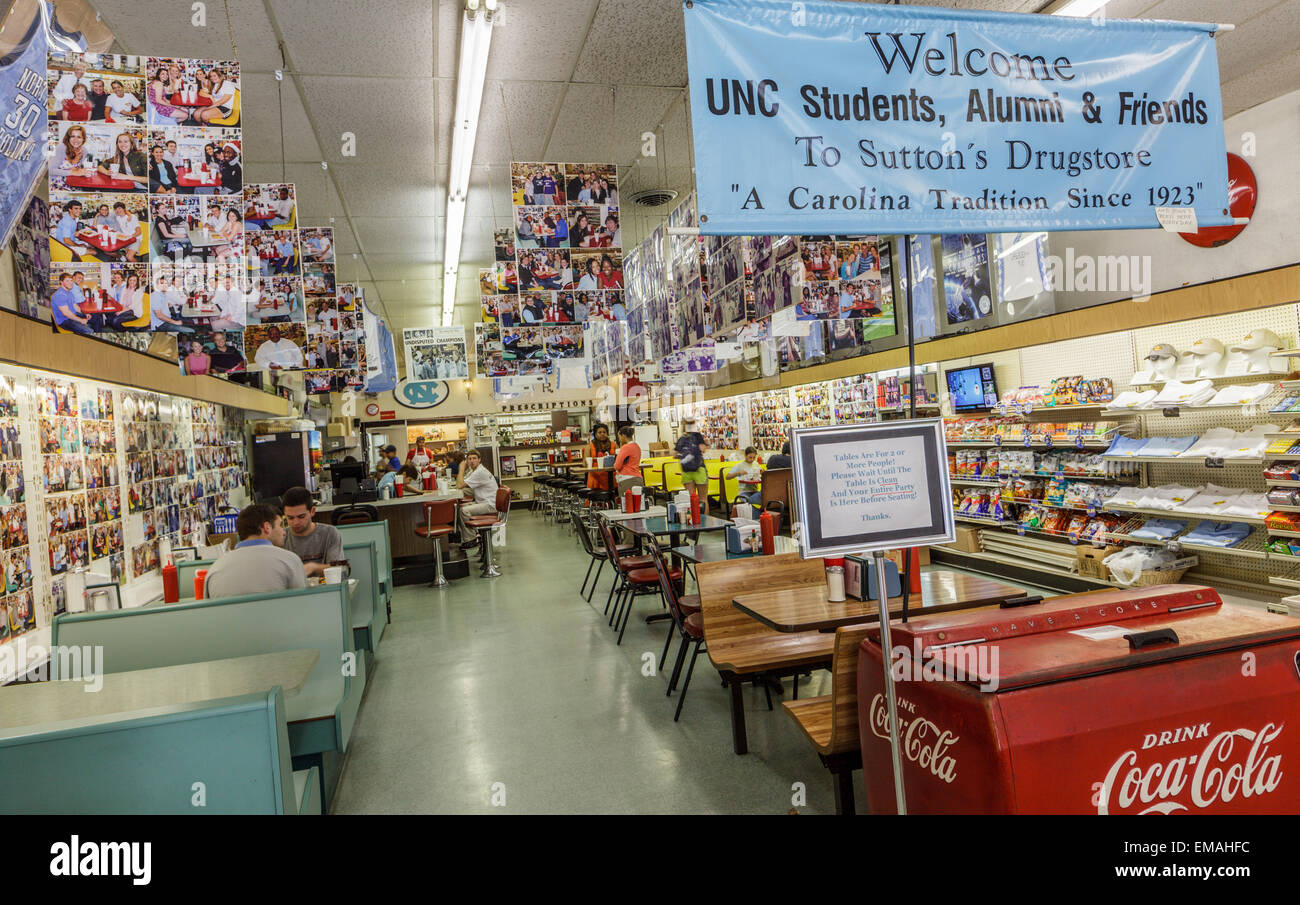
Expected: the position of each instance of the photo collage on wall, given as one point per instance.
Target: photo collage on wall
(276, 335)
(846, 278)
(146, 173)
(102, 479)
(558, 267)
(967, 289)
(332, 336)
(17, 601)
(31, 250)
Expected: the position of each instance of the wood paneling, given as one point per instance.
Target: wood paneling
(32, 344)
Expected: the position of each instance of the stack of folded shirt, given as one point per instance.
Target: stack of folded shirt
(1177, 393)
(1217, 534)
(1125, 446)
(1225, 443)
(1212, 500)
(1127, 496)
(1132, 400)
(1160, 529)
(1169, 496)
(1167, 446)
(1243, 394)
(1249, 505)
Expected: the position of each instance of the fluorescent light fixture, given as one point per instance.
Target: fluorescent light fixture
(475, 39)
(1080, 8)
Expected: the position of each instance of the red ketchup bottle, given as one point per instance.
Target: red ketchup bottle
(171, 584)
(767, 532)
(695, 508)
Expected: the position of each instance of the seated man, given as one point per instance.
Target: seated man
(257, 565)
(479, 481)
(316, 545)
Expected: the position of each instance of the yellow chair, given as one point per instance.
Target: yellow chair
(60, 253)
(672, 472)
(233, 118)
(293, 220)
(143, 320)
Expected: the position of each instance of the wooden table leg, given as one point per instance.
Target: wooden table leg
(739, 743)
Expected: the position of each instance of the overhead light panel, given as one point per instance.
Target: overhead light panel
(475, 39)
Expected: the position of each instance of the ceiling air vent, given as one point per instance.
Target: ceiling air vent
(653, 197)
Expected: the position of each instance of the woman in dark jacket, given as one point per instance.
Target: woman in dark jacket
(162, 175)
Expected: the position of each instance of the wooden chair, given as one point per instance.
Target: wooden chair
(742, 649)
(831, 721)
(685, 620)
(777, 489)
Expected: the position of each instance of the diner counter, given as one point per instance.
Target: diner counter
(403, 515)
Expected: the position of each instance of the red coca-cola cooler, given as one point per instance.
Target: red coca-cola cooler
(1155, 700)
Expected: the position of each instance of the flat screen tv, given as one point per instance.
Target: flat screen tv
(972, 389)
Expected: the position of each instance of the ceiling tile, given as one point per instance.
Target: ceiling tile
(542, 34)
(641, 42)
(260, 109)
(166, 28)
(391, 119)
(374, 38)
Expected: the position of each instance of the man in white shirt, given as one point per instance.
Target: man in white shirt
(283, 210)
(230, 302)
(479, 481)
(171, 156)
(124, 107)
(276, 353)
(69, 80)
(127, 224)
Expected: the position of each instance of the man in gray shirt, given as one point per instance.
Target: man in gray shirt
(316, 545)
(257, 565)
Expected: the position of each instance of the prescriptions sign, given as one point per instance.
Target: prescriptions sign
(820, 117)
(873, 487)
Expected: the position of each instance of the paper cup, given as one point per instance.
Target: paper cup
(334, 575)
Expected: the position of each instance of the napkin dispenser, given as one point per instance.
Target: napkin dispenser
(742, 536)
(860, 577)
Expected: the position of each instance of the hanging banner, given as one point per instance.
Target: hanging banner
(835, 117)
(435, 353)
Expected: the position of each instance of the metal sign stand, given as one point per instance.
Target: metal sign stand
(891, 699)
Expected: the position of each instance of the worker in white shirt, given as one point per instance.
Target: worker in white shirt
(277, 353)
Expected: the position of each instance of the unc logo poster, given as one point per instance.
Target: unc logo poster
(422, 394)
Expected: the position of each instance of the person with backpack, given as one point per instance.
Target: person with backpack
(690, 455)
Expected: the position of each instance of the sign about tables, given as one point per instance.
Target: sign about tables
(868, 487)
(827, 117)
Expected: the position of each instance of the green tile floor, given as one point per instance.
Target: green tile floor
(509, 695)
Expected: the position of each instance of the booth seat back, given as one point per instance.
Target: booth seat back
(377, 532)
(368, 614)
(147, 762)
(198, 630)
(185, 575)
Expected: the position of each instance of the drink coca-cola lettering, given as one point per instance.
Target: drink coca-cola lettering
(923, 742)
(1234, 763)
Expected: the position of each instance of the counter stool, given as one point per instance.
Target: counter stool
(439, 521)
(484, 524)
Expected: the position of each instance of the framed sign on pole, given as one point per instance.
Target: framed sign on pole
(874, 487)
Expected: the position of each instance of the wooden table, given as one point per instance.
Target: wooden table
(40, 703)
(806, 609)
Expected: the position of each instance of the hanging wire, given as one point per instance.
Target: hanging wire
(613, 120)
(505, 118)
(279, 91)
(231, 31)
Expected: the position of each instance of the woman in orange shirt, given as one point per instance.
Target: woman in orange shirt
(627, 464)
(599, 446)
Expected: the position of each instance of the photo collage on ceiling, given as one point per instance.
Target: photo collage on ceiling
(276, 336)
(334, 328)
(559, 265)
(146, 172)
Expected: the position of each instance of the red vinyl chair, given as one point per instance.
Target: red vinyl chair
(439, 521)
(484, 524)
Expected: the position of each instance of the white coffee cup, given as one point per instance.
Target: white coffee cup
(114, 168)
(333, 574)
